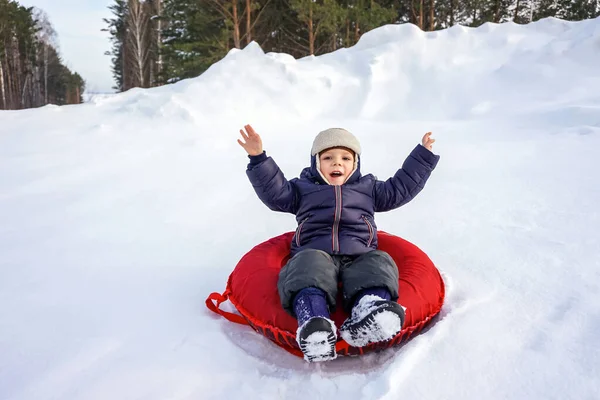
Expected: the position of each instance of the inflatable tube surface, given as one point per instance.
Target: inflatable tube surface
(252, 288)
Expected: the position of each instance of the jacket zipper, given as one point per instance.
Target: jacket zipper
(335, 241)
(299, 230)
(370, 231)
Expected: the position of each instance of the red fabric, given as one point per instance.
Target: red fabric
(214, 307)
(252, 288)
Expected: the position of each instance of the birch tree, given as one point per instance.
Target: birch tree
(46, 37)
(138, 21)
(29, 63)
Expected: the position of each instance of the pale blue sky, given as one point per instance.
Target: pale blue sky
(78, 24)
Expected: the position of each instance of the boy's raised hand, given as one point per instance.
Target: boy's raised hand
(427, 141)
(252, 142)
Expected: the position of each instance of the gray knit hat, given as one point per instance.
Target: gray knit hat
(335, 137)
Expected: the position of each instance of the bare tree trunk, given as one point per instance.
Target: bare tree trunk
(24, 92)
(2, 89)
(150, 75)
(125, 73)
(36, 88)
(236, 25)
(248, 21)
(9, 79)
(530, 11)
(356, 32)
(497, 11)
(138, 20)
(452, 12)
(16, 81)
(311, 33)
(139, 44)
(347, 41)
(45, 73)
(45, 36)
(159, 38)
(431, 15)
(421, 14)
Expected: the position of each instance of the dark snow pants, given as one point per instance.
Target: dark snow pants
(316, 268)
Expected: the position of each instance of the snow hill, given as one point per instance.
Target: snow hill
(118, 217)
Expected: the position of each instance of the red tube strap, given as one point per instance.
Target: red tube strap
(220, 298)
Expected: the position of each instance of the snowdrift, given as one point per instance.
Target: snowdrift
(118, 217)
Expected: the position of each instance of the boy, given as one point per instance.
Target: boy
(336, 238)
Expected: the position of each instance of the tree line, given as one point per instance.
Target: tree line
(32, 73)
(155, 42)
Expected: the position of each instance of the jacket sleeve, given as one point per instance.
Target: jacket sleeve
(407, 182)
(270, 184)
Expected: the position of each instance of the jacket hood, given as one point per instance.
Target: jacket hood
(312, 173)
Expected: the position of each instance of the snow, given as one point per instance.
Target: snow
(118, 218)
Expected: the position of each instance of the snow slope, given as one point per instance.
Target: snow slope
(118, 217)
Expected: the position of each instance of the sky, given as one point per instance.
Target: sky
(78, 24)
(120, 216)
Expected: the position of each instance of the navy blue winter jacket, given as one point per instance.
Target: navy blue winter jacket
(338, 219)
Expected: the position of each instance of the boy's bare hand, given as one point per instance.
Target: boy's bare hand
(427, 141)
(252, 142)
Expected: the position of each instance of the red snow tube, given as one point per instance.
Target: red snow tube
(252, 288)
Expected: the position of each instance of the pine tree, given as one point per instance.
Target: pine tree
(521, 13)
(319, 18)
(193, 38)
(577, 10)
(116, 29)
(364, 15)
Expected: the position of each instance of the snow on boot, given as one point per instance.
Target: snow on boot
(316, 338)
(373, 320)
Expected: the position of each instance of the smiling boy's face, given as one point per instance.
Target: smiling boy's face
(336, 164)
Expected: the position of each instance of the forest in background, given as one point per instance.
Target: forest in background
(155, 42)
(32, 73)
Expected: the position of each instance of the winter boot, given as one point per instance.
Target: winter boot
(373, 319)
(317, 338)
(316, 333)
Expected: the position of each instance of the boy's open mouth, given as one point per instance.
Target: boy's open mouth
(335, 174)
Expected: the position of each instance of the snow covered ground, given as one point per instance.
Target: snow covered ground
(118, 217)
